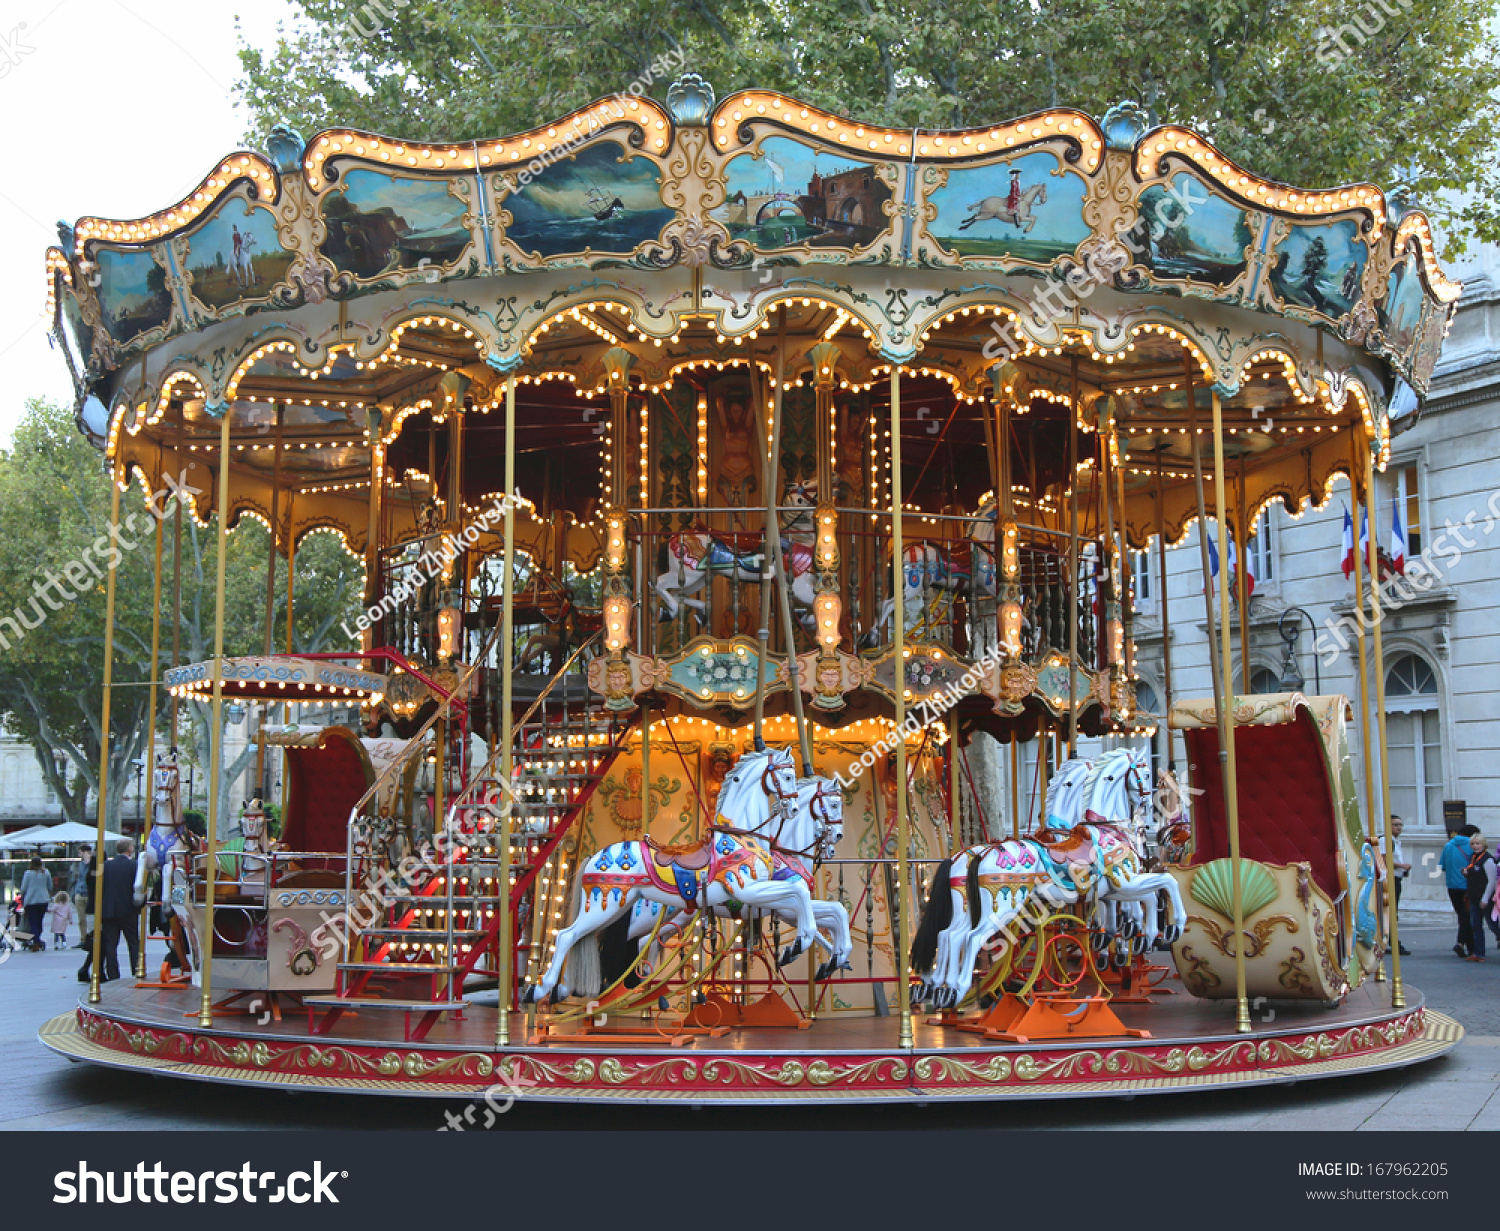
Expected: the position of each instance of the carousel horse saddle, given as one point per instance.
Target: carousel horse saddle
(1076, 846)
(691, 856)
(738, 540)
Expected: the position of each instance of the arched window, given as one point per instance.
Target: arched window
(1413, 734)
(1263, 679)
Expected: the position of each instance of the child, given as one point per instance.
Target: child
(62, 915)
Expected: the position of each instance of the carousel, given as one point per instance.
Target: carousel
(731, 479)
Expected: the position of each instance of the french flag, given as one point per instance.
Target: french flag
(1234, 565)
(1348, 546)
(1398, 540)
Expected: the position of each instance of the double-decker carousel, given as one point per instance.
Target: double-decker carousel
(721, 472)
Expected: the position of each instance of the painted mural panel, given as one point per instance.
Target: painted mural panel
(236, 255)
(380, 222)
(1192, 235)
(787, 194)
(1401, 312)
(1320, 267)
(133, 295)
(599, 200)
(1027, 209)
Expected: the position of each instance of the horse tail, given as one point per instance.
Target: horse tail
(582, 968)
(971, 887)
(937, 914)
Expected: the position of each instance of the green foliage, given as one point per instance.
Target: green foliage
(54, 520)
(1413, 101)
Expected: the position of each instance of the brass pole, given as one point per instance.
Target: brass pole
(953, 796)
(506, 956)
(1166, 624)
(1074, 605)
(1398, 992)
(645, 768)
(291, 573)
(215, 731)
(1015, 784)
(1227, 749)
(1242, 561)
(1372, 809)
(771, 541)
(151, 715)
(1043, 764)
(260, 731)
(109, 675)
(903, 822)
(374, 423)
(176, 585)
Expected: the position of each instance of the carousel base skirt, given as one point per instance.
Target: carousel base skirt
(844, 1058)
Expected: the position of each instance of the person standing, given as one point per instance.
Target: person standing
(36, 896)
(1454, 859)
(79, 889)
(1479, 876)
(59, 915)
(1401, 870)
(117, 912)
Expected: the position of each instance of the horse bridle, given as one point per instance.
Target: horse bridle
(818, 810)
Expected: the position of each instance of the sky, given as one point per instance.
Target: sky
(116, 109)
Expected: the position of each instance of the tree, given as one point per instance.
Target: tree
(54, 555)
(1314, 93)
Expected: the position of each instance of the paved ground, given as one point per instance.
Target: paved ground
(39, 1090)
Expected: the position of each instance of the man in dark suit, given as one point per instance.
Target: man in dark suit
(117, 912)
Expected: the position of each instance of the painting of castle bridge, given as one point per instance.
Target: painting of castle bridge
(789, 194)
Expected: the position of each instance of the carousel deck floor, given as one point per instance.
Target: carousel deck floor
(845, 1058)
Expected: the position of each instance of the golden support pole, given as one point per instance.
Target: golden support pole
(903, 822)
(260, 731)
(1043, 764)
(1398, 992)
(1166, 622)
(1015, 784)
(215, 730)
(1367, 749)
(645, 768)
(291, 574)
(151, 719)
(1227, 750)
(1074, 609)
(506, 956)
(1242, 561)
(109, 675)
(953, 796)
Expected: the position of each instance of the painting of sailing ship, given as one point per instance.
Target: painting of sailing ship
(383, 222)
(236, 255)
(1190, 234)
(599, 200)
(787, 194)
(133, 295)
(1320, 267)
(1025, 209)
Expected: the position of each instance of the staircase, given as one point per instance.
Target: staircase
(431, 932)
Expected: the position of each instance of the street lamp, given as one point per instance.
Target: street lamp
(139, 765)
(1292, 679)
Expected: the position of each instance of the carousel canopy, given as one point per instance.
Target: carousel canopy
(326, 291)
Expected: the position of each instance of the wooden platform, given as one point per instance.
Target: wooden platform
(1192, 1046)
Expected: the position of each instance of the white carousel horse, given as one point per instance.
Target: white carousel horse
(759, 803)
(1099, 863)
(795, 869)
(945, 923)
(245, 856)
(993, 209)
(169, 837)
(697, 554)
(967, 567)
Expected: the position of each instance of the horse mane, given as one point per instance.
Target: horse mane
(1066, 785)
(1106, 792)
(741, 799)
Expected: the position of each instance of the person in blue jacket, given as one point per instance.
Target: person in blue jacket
(1454, 860)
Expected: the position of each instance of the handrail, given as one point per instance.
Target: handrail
(441, 711)
(559, 674)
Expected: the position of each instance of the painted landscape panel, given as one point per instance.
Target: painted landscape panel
(133, 295)
(1024, 209)
(789, 194)
(383, 222)
(599, 200)
(1192, 235)
(236, 255)
(1320, 267)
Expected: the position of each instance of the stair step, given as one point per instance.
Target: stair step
(377, 1002)
(401, 968)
